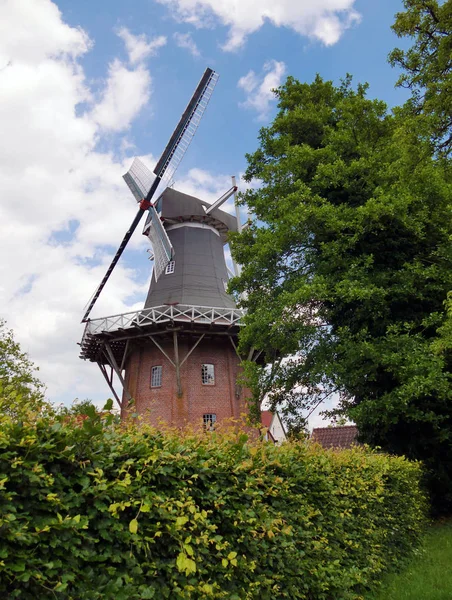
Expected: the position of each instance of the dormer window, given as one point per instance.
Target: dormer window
(170, 267)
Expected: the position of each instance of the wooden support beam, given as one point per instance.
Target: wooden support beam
(112, 389)
(177, 364)
(193, 347)
(124, 356)
(235, 347)
(161, 349)
(114, 364)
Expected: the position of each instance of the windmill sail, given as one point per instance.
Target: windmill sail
(187, 126)
(139, 179)
(161, 245)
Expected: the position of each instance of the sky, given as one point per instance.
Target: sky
(85, 86)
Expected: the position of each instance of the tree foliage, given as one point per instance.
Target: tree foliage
(99, 511)
(18, 374)
(427, 66)
(347, 267)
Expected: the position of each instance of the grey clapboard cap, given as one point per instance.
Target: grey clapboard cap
(200, 272)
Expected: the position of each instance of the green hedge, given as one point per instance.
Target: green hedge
(97, 511)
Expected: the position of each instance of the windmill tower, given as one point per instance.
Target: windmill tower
(176, 358)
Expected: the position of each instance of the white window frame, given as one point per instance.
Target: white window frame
(208, 374)
(209, 420)
(156, 376)
(170, 267)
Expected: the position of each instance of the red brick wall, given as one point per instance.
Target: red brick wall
(163, 404)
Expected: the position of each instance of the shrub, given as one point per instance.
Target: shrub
(97, 511)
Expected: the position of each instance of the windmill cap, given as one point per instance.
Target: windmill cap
(178, 207)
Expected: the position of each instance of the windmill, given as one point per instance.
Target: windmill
(177, 358)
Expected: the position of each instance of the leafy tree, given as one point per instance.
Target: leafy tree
(18, 378)
(21, 391)
(347, 267)
(427, 65)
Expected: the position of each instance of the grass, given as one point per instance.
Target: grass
(429, 575)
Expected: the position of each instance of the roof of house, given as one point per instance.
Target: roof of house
(270, 419)
(266, 418)
(335, 437)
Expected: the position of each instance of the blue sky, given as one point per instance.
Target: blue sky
(87, 85)
(228, 130)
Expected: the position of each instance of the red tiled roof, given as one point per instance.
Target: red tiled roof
(266, 418)
(335, 437)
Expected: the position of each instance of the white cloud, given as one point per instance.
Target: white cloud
(322, 20)
(126, 91)
(184, 40)
(32, 31)
(125, 94)
(138, 47)
(64, 205)
(258, 89)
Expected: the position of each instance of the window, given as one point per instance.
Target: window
(170, 267)
(156, 376)
(208, 375)
(209, 421)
